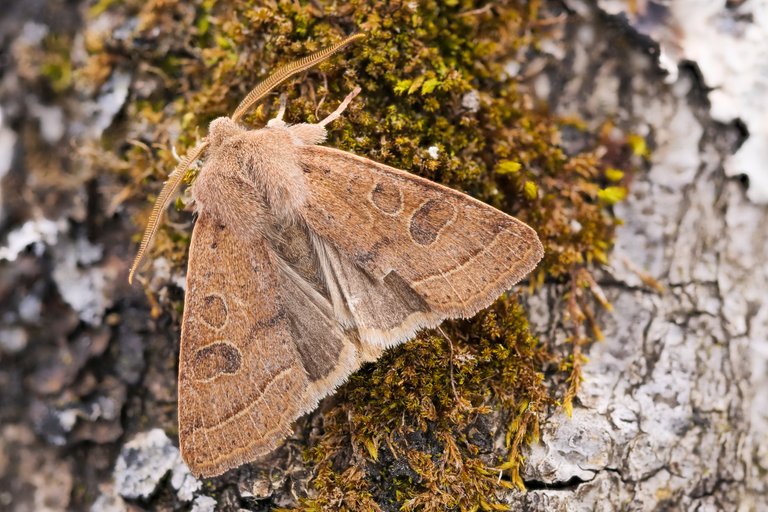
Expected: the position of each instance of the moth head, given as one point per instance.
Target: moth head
(221, 129)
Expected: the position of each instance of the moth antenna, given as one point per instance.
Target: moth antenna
(166, 194)
(288, 71)
(341, 108)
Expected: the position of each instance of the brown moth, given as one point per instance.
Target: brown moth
(305, 262)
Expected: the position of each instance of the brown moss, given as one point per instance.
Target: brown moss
(428, 404)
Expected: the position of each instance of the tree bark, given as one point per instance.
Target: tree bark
(669, 415)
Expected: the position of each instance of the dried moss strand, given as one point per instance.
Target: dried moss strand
(286, 72)
(166, 194)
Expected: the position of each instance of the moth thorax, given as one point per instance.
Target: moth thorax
(277, 171)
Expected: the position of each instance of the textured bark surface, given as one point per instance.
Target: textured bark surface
(669, 415)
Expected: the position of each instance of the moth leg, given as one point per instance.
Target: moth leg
(278, 119)
(315, 133)
(341, 108)
(175, 153)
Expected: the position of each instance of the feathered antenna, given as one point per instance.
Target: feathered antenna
(288, 71)
(257, 93)
(166, 194)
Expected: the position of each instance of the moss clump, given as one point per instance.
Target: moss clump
(418, 419)
(56, 67)
(438, 102)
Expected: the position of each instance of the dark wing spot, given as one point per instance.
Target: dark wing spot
(266, 324)
(216, 359)
(429, 219)
(214, 311)
(387, 197)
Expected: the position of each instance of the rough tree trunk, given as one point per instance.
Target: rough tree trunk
(669, 415)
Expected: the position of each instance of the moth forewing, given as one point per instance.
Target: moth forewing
(430, 252)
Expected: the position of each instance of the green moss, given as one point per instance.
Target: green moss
(56, 65)
(425, 405)
(415, 421)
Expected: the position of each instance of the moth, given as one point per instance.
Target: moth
(307, 261)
